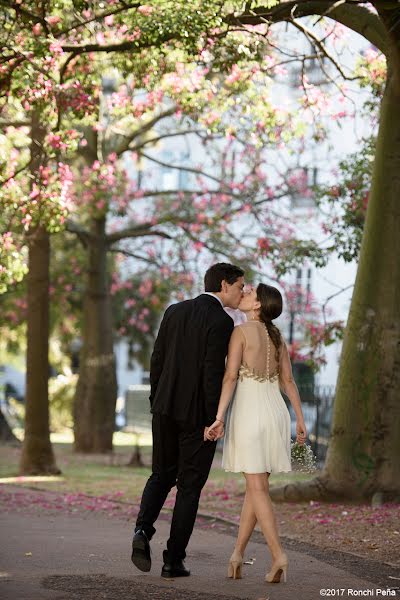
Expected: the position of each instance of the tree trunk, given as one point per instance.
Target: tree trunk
(6, 433)
(364, 449)
(96, 393)
(37, 453)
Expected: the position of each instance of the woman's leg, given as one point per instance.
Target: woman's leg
(247, 523)
(259, 501)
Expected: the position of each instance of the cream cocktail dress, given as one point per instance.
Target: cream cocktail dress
(257, 430)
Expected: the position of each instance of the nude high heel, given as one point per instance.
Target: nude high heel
(278, 568)
(235, 565)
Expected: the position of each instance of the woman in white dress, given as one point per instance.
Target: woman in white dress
(257, 441)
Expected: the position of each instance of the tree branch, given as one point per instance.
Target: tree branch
(135, 45)
(150, 261)
(143, 129)
(17, 172)
(99, 17)
(134, 232)
(314, 39)
(180, 168)
(4, 123)
(83, 234)
(353, 15)
(162, 137)
(23, 12)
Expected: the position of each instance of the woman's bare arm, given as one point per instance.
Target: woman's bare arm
(235, 353)
(288, 385)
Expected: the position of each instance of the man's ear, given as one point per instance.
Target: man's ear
(224, 286)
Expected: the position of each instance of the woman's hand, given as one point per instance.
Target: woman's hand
(214, 432)
(301, 432)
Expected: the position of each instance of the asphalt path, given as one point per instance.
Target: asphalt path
(68, 556)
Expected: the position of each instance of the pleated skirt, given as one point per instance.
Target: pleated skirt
(257, 431)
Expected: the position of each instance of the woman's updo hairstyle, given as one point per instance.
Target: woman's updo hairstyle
(271, 307)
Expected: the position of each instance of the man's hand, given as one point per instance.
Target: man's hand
(214, 432)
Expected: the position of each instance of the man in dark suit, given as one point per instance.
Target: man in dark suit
(186, 372)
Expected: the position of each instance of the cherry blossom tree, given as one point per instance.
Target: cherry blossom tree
(180, 223)
(47, 53)
(47, 73)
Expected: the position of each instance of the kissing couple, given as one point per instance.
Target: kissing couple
(192, 385)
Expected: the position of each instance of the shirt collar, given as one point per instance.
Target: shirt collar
(214, 296)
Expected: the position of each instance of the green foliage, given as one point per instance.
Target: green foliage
(345, 203)
(61, 397)
(139, 302)
(13, 267)
(291, 254)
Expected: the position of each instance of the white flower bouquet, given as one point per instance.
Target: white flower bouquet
(303, 458)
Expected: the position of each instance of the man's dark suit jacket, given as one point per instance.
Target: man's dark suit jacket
(188, 361)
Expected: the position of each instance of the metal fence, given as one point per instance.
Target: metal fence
(317, 403)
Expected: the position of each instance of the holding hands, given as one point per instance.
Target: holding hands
(215, 431)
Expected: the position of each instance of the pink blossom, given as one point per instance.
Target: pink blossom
(56, 48)
(234, 75)
(211, 118)
(7, 240)
(145, 10)
(264, 244)
(53, 20)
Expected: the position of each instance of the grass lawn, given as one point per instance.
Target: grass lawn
(104, 475)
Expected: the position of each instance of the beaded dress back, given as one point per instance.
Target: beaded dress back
(259, 355)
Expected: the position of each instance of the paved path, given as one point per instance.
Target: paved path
(87, 557)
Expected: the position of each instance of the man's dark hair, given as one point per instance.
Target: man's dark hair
(219, 272)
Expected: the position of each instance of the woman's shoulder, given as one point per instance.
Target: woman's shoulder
(246, 324)
(247, 329)
(250, 325)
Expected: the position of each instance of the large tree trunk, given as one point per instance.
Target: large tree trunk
(37, 453)
(364, 449)
(96, 393)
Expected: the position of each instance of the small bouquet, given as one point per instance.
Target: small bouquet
(303, 458)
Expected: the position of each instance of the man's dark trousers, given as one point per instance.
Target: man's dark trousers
(181, 457)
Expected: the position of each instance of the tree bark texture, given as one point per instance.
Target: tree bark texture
(96, 393)
(37, 453)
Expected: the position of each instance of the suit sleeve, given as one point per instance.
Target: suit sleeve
(158, 356)
(214, 366)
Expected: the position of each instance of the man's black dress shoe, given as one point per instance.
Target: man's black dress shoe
(141, 557)
(174, 569)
